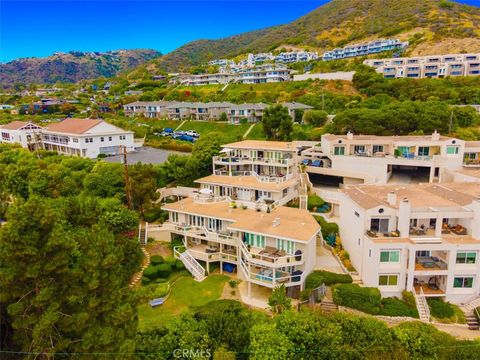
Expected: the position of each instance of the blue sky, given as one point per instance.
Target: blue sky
(39, 28)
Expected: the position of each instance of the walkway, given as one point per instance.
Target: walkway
(146, 262)
(326, 261)
(181, 124)
(248, 131)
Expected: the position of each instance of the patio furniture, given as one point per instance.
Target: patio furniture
(433, 283)
(316, 163)
(211, 249)
(459, 230)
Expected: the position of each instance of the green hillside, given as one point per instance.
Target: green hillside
(430, 25)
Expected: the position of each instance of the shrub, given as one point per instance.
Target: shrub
(396, 307)
(233, 283)
(155, 214)
(318, 277)
(179, 265)
(314, 201)
(151, 272)
(440, 309)
(361, 298)
(409, 299)
(327, 228)
(152, 291)
(145, 280)
(305, 294)
(156, 260)
(164, 270)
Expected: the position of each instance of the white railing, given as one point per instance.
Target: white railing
(219, 237)
(271, 260)
(271, 178)
(210, 199)
(192, 265)
(246, 159)
(422, 305)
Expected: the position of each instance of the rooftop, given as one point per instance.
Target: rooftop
(392, 138)
(73, 126)
(294, 224)
(419, 195)
(250, 182)
(14, 125)
(262, 145)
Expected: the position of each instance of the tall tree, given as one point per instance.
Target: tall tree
(277, 123)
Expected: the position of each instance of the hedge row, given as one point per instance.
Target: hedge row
(369, 300)
(327, 228)
(161, 268)
(319, 277)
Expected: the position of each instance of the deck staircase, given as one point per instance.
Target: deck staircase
(422, 306)
(328, 305)
(469, 310)
(191, 264)
(303, 191)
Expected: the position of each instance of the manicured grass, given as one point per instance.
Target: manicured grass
(256, 133)
(230, 133)
(185, 294)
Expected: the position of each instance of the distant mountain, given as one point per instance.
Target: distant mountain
(432, 26)
(73, 66)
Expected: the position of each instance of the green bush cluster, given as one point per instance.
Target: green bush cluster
(445, 312)
(361, 298)
(393, 306)
(151, 291)
(314, 201)
(155, 214)
(160, 268)
(409, 298)
(327, 228)
(319, 277)
(156, 260)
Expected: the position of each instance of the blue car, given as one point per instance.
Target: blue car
(168, 130)
(186, 138)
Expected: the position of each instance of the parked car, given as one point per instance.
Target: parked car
(168, 130)
(192, 133)
(164, 133)
(186, 138)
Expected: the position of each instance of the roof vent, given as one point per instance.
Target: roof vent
(276, 222)
(435, 136)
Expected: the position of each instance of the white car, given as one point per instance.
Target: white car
(192, 133)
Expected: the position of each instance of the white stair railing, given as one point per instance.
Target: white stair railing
(422, 305)
(191, 264)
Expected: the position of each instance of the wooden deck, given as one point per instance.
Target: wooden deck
(429, 292)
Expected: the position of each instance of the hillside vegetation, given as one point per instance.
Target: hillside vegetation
(430, 25)
(72, 66)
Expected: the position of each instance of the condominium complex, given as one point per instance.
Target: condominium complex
(432, 66)
(237, 218)
(423, 238)
(175, 110)
(370, 159)
(371, 47)
(260, 58)
(81, 137)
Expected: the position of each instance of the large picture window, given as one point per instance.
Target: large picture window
(388, 280)
(466, 257)
(389, 256)
(463, 282)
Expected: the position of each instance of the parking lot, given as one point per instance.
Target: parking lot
(145, 155)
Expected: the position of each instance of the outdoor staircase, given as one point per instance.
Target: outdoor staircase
(303, 192)
(146, 262)
(142, 234)
(328, 305)
(191, 264)
(422, 306)
(469, 311)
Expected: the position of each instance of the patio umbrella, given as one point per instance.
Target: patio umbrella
(205, 191)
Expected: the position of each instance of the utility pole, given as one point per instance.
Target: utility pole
(127, 179)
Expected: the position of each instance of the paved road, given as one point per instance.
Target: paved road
(146, 155)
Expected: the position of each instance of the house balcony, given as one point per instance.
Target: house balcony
(471, 162)
(389, 234)
(240, 160)
(430, 285)
(271, 277)
(267, 178)
(431, 261)
(211, 252)
(202, 233)
(271, 257)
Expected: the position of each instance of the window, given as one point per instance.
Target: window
(75, 140)
(452, 150)
(102, 139)
(404, 150)
(379, 225)
(255, 240)
(464, 257)
(339, 150)
(109, 138)
(122, 137)
(89, 140)
(423, 253)
(388, 280)
(463, 282)
(377, 148)
(359, 149)
(423, 151)
(286, 245)
(356, 214)
(392, 256)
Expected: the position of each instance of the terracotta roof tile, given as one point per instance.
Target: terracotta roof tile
(74, 126)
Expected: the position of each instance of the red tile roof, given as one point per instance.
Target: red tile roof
(14, 125)
(74, 126)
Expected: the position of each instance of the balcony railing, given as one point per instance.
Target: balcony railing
(270, 256)
(262, 178)
(202, 232)
(249, 160)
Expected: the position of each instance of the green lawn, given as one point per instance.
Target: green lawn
(256, 133)
(185, 294)
(230, 133)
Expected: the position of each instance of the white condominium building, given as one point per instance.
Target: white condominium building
(432, 66)
(372, 47)
(422, 238)
(81, 137)
(370, 159)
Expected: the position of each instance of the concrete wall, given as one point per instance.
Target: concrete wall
(340, 75)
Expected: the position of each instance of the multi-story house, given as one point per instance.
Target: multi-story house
(206, 79)
(263, 74)
(432, 66)
(295, 56)
(86, 137)
(251, 112)
(472, 154)
(370, 159)
(422, 238)
(293, 107)
(20, 132)
(255, 173)
(372, 47)
(237, 218)
(149, 109)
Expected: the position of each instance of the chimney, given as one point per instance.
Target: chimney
(276, 222)
(403, 224)
(435, 136)
(350, 135)
(392, 198)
